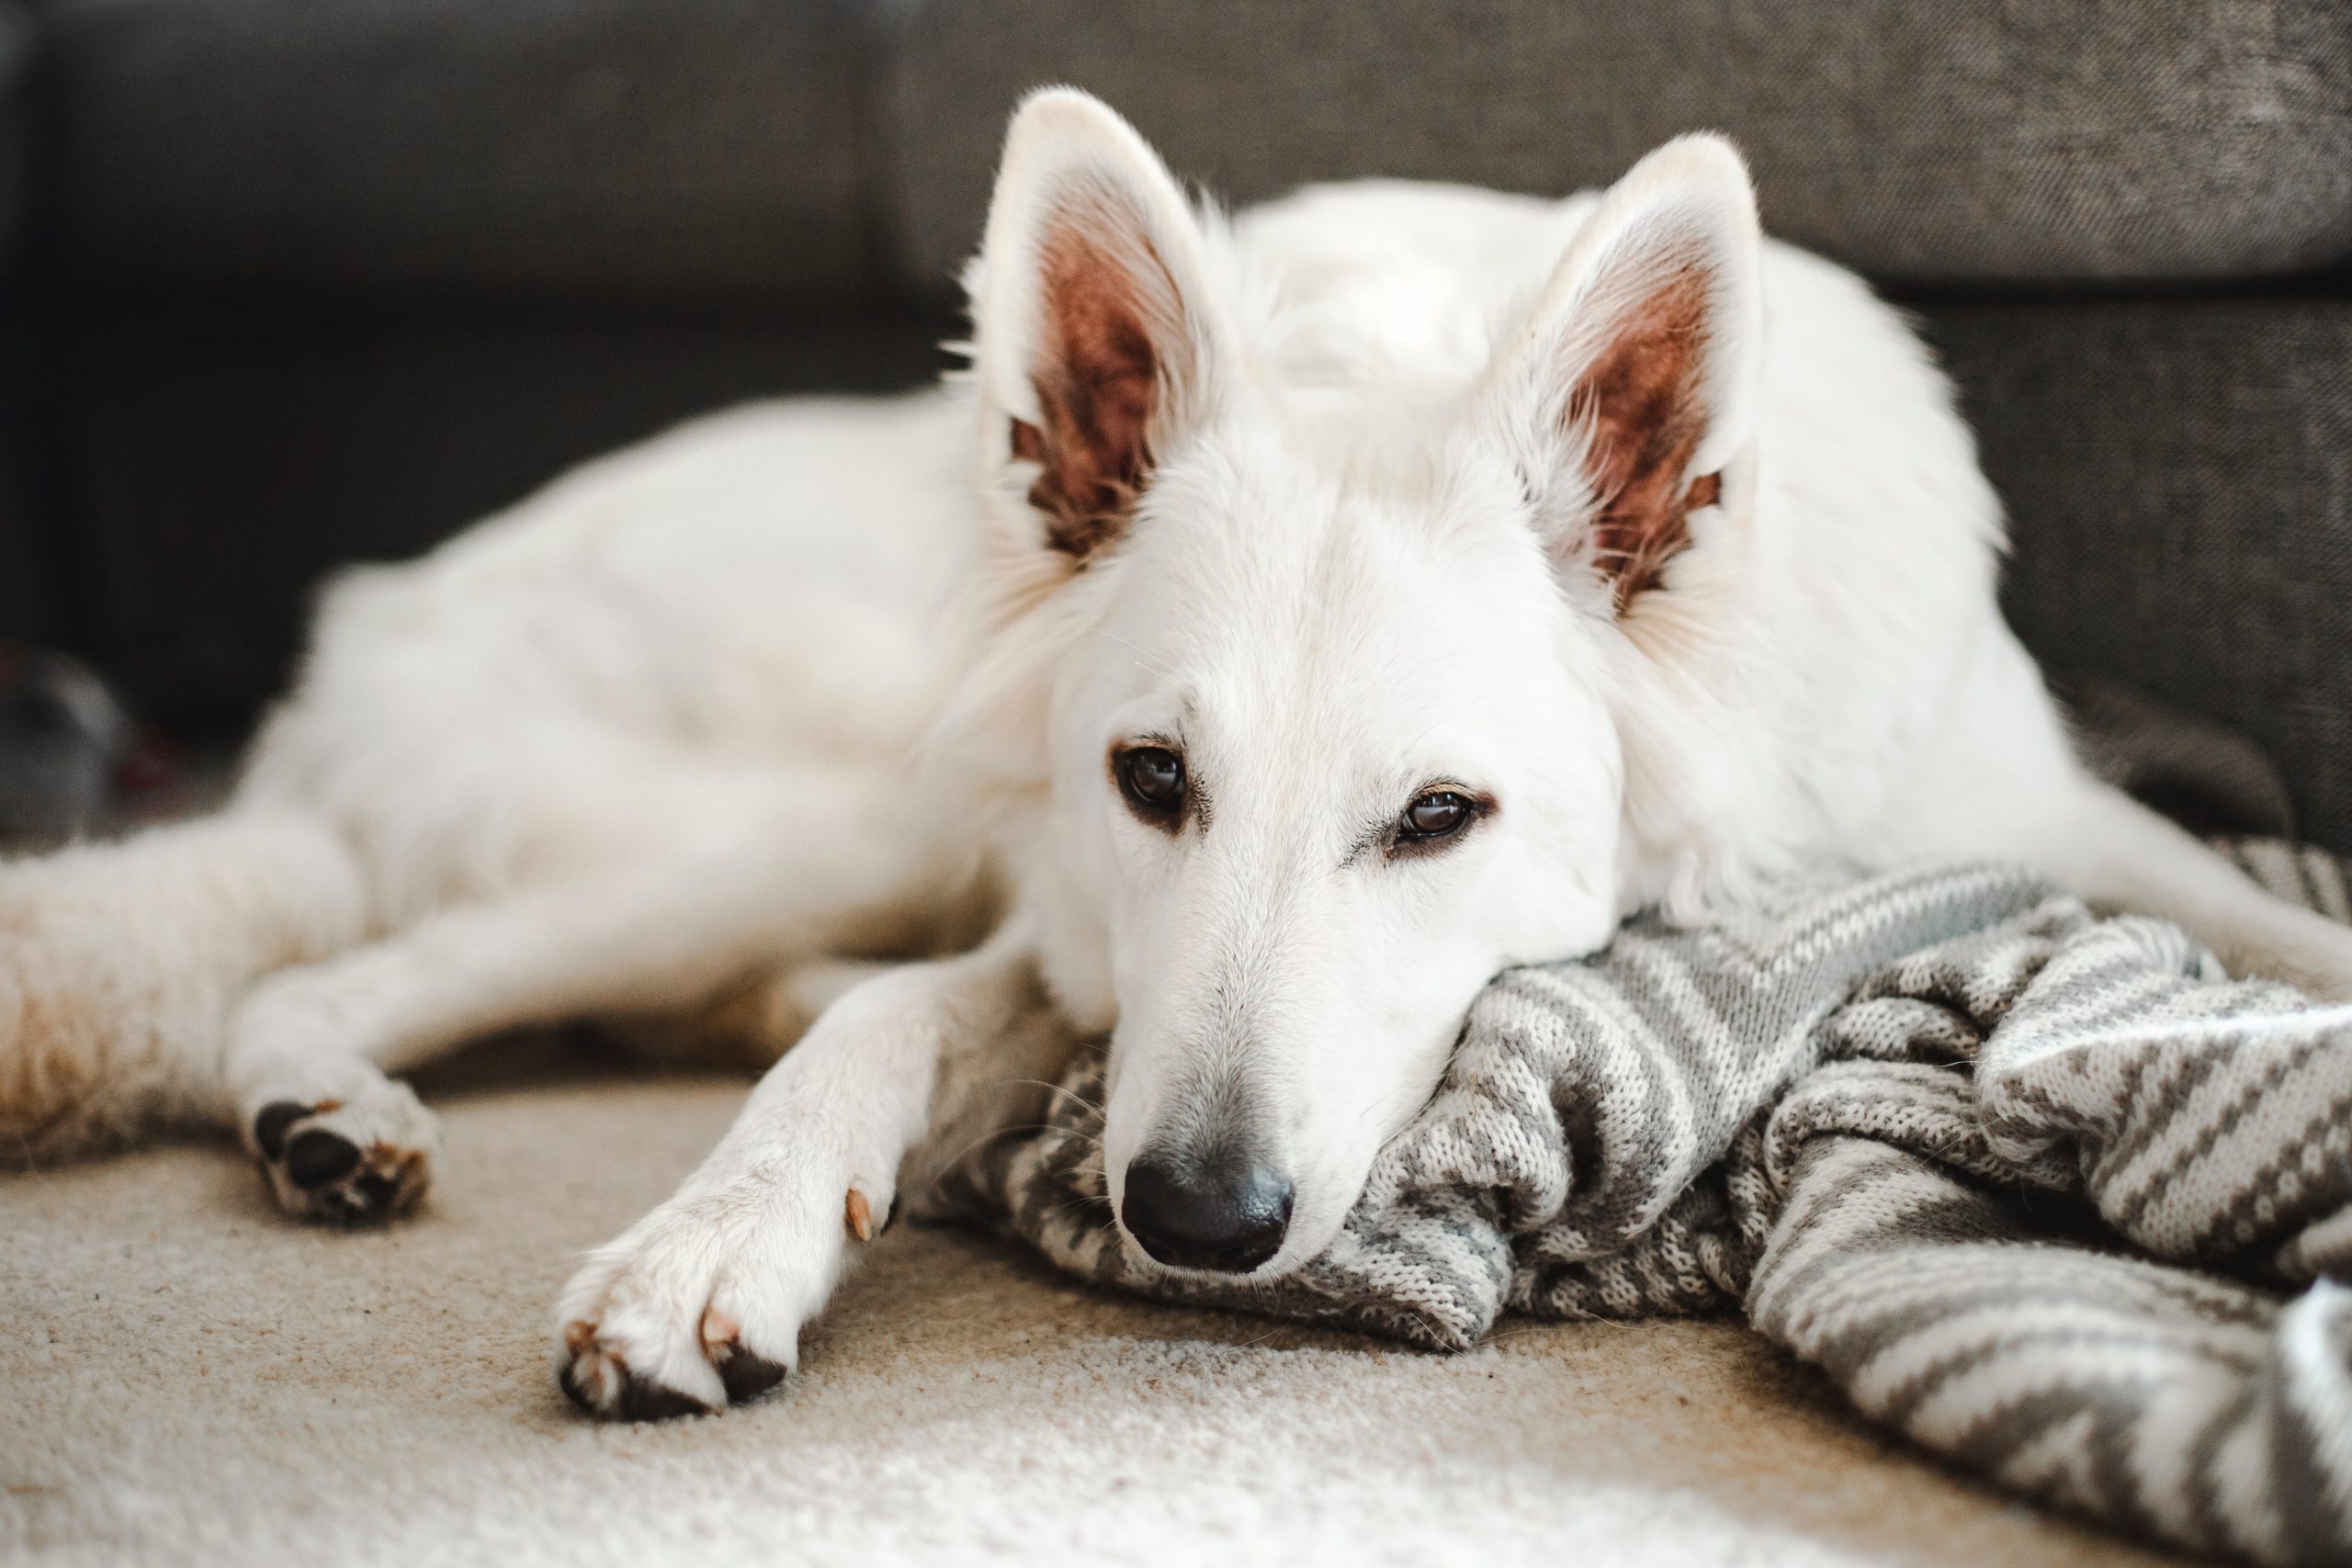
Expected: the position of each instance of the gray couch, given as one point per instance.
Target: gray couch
(305, 280)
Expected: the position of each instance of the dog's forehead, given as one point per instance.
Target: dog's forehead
(1330, 617)
(1298, 539)
(1257, 578)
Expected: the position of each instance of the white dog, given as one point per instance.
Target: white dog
(1396, 583)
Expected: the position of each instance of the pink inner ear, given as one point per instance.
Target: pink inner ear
(1098, 385)
(1640, 402)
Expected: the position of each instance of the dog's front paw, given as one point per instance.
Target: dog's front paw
(361, 1156)
(701, 1304)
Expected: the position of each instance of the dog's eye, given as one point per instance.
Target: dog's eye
(1152, 778)
(1440, 814)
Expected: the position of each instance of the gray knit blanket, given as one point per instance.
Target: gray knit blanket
(2045, 1193)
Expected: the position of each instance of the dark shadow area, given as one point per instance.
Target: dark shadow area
(219, 459)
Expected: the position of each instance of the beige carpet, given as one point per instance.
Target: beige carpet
(184, 1378)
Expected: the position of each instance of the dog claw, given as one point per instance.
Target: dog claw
(744, 1375)
(859, 1215)
(603, 1385)
(595, 1374)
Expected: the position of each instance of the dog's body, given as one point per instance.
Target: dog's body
(1307, 617)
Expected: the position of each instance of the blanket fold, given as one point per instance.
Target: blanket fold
(2036, 1188)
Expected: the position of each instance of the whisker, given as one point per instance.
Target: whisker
(1093, 1105)
(1093, 1139)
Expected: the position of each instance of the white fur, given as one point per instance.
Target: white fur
(640, 749)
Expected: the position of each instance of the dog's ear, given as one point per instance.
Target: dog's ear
(1096, 340)
(1630, 397)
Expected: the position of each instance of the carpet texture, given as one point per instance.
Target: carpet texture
(185, 1377)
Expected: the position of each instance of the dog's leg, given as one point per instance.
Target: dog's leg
(702, 1301)
(2113, 851)
(308, 1048)
(118, 962)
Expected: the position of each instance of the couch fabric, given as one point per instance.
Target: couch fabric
(233, 460)
(687, 148)
(2009, 141)
(25, 578)
(723, 145)
(2179, 476)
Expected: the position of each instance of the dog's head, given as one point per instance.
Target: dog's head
(1312, 692)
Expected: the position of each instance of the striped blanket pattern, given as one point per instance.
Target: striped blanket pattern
(2045, 1193)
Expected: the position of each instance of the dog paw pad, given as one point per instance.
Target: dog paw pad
(317, 1156)
(271, 1126)
(346, 1161)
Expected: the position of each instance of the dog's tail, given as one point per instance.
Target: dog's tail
(119, 962)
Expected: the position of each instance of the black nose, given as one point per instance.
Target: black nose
(1226, 1215)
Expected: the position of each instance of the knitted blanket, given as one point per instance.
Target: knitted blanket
(2045, 1193)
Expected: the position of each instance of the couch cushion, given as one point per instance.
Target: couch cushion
(2179, 477)
(19, 38)
(2029, 140)
(25, 609)
(228, 464)
(675, 146)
